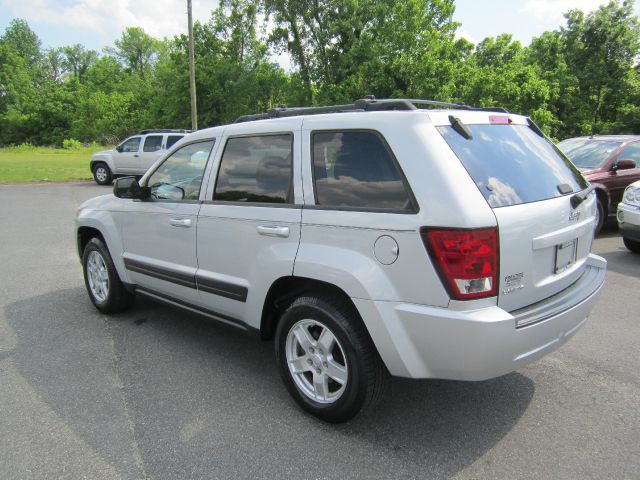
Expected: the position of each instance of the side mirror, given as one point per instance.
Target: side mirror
(127, 187)
(119, 149)
(624, 164)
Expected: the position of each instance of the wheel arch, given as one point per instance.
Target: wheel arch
(101, 224)
(286, 289)
(84, 235)
(603, 196)
(108, 161)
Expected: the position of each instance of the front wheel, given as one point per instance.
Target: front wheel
(327, 360)
(102, 174)
(101, 279)
(631, 245)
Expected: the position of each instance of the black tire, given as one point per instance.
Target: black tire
(117, 298)
(601, 216)
(367, 377)
(631, 245)
(102, 174)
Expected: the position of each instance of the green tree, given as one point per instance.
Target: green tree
(24, 42)
(348, 48)
(136, 49)
(589, 67)
(53, 64)
(77, 60)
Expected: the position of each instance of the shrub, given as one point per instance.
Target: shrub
(23, 147)
(71, 144)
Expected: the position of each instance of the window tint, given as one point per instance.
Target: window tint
(355, 169)
(131, 145)
(172, 139)
(256, 169)
(152, 143)
(511, 164)
(631, 152)
(588, 153)
(179, 177)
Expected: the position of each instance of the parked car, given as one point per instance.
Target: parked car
(609, 163)
(368, 239)
(629, 217)
(134, 155)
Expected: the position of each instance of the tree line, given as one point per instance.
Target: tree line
(579, 79)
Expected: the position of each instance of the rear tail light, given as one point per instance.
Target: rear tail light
(467, 260)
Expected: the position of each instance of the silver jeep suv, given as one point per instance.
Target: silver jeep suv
(376, 238)
(134, 155)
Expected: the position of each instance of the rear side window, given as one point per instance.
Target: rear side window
(172, 139)
(152, 143)
(356, 170)
(256, 169)
(588, 153)
(512, 165)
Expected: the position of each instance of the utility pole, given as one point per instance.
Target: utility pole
(192, 72)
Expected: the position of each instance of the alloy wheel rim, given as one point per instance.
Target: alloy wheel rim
(98, 276)
(101, 174)
(316, 361)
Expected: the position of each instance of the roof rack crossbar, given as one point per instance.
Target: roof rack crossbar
(162, 130)
(366, 104)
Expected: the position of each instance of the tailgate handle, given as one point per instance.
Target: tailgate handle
(180, 222)
(273, 231)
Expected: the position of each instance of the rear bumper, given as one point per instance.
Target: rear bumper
(418, 341)
(629, 221)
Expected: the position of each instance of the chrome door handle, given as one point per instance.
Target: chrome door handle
(273, 231)
(180, 222)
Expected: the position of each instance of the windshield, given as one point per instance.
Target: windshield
(588, 153)
(512, 165)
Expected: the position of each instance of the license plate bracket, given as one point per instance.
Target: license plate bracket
(565, 255)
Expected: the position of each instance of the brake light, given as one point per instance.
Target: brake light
(467, 260)
(500, 120)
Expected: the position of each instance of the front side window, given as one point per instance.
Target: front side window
(152, 143)
(356, 170)
(256, 169)
(179, 177)
(131, 145)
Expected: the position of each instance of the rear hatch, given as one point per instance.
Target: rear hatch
(544, 240)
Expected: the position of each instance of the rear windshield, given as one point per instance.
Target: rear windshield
(511, 164)
(587, 153)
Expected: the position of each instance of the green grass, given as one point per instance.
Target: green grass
(26, 163)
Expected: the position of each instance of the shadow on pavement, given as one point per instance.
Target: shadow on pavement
(205, 400)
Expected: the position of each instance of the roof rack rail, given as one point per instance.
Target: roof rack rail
(366, 104)
(163, 130)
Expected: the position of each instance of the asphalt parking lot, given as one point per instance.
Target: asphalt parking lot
(159, 393)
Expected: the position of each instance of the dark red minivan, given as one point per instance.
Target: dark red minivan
(609, 163)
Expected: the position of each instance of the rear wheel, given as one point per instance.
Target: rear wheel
(102, 174)
(631, 245)
(101, 279)
(327, 359)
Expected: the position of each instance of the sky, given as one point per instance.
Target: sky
(97, 23)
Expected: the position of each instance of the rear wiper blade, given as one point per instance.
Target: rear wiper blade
(580, 197)
(460, 127)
